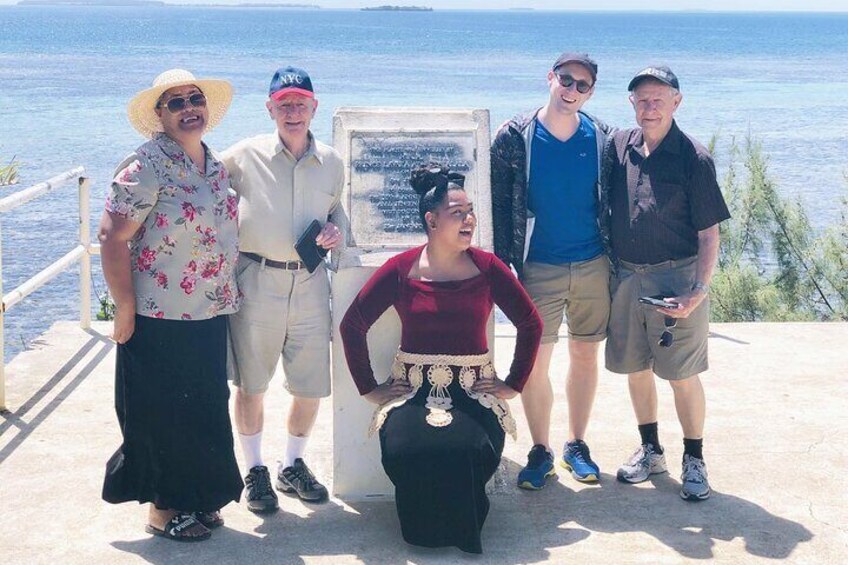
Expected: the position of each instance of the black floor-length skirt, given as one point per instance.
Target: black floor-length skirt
(440, 474)
(171, 397)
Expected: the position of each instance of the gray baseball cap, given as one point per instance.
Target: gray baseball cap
(657, 72)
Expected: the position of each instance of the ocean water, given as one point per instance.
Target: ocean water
(66, 74)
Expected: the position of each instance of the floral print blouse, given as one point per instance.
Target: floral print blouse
(185, 252)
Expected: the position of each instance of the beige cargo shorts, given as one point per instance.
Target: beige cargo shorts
(580, 289)
(284, 313)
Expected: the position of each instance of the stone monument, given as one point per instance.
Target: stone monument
(380, 148)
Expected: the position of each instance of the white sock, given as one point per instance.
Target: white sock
(294, 449)
(251, 447)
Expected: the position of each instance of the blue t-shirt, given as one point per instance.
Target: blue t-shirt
(562, 196)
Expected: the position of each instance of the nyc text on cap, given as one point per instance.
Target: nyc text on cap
(290, 80)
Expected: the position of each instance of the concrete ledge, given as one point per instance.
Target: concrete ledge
(775, 445)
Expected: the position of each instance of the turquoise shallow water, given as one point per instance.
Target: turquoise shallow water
(67, 73)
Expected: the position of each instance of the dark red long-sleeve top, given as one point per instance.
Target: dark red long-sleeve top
(442, 317)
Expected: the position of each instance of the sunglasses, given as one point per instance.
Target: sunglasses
(667, 338)
(567, 80)
(178, 104)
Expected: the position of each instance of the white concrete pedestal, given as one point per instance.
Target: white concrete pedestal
(357, 471)
(380, 147)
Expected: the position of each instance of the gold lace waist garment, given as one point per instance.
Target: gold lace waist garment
(440, 374)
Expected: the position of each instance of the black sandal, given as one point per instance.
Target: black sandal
(177, 529)
(211, 520)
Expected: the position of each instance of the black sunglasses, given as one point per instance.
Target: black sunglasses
(178, 104)
(567, 80)
(667, 338)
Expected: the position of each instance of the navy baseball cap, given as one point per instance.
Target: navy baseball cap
(580, 59)
(657, 72)
(289, 80)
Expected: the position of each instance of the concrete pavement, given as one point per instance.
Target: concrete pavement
(775, 445)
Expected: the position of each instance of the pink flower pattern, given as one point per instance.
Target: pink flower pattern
(189, 211)
(163, 190)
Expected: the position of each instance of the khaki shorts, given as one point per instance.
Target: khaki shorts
(635, 329)
(283, 313)
(580, 289)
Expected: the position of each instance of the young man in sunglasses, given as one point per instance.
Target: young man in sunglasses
(545, 205)
(285, 180)
(665, 206)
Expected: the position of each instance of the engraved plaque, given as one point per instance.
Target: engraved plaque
(380, 148)
(383, 207)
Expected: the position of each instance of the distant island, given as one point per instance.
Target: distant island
(90, 3)
(397, 9)
(141, 3)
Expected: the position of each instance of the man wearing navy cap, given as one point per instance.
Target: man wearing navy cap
(665, 207)
(285, 180)
(545, 207)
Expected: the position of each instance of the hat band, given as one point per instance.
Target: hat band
(292, 90)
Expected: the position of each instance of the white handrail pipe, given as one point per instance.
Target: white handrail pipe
(2, 336)
(37, 281)
(82, 253)
(85, 260)
(23, 196)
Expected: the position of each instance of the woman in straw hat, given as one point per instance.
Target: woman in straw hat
(169, 248)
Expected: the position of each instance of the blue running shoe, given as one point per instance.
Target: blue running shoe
(576, 458)
(540, 466)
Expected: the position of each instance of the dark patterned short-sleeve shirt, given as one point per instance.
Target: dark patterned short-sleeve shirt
(185, 252)
(659, 203)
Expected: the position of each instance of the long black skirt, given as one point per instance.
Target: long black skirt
(171, 397)
(440, 474)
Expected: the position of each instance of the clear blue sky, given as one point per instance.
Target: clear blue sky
(665, 5)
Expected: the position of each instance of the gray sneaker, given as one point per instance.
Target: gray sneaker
(694, 478)
(642, 464)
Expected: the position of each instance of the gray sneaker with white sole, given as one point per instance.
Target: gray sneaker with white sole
(695, 485)
(644, 462)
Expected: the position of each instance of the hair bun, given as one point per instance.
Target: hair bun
(427, 177)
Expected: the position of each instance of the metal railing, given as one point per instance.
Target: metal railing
(82, 252)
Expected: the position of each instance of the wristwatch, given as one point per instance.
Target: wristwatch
(701, 286)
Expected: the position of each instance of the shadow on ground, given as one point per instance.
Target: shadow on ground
(522, 527)
(655, 508)
(21, 423)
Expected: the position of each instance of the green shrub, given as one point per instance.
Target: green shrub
(772, 266)
(9, 173)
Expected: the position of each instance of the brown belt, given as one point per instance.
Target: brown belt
(287, 265)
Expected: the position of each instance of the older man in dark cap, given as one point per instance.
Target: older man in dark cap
(665, 206)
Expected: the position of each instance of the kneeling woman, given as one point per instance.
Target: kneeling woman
(442, 413)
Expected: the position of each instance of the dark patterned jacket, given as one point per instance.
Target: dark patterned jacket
(510, 160)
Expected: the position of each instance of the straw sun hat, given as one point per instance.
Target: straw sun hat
(142, 108)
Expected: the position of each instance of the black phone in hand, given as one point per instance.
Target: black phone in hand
(658, 301)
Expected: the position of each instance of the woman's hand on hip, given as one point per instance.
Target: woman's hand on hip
(124, 324)
(495, 387)
(388, 391)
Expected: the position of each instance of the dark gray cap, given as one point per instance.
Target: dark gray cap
(657, 72)
(580, 59)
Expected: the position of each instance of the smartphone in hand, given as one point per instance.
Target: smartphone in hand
(658, 301)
